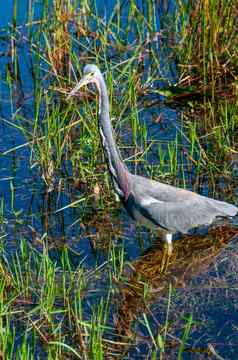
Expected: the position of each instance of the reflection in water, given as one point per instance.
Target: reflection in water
(192, 255)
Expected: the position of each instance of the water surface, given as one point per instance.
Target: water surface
(208, 294)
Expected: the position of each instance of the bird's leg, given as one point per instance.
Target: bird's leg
(168, 249)
(169, 243)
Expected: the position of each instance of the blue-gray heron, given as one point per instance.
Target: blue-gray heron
(151, 203)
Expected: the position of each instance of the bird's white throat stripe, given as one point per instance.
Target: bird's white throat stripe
(108, 153)
(111, 168)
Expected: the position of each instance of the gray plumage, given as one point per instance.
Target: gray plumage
(176, 209)
(149, 202)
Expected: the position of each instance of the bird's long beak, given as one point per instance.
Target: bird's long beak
(86, 79)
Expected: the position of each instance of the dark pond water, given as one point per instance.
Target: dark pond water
(208, 291)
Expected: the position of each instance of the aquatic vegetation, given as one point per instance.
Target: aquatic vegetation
(76, 279)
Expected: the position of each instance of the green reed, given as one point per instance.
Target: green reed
(208, 43)
(52, 300)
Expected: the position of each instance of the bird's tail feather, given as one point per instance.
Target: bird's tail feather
(225, 208)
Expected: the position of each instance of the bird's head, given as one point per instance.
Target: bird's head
(91, 74)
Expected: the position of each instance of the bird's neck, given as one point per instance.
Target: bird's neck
(117, 169)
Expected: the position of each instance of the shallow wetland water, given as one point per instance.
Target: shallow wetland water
(78, 279)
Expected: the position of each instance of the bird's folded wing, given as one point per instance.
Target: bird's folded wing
(182, 216)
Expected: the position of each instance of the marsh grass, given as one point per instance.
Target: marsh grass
(46, 127)
(208, 45)
(50, 308)
(129, 65)
(207, 68)
(49, 301)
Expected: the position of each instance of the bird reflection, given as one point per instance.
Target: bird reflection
(188, 260)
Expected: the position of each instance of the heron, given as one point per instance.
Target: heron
(151, 203)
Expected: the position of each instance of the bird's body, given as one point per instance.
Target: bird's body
(151, 203)
(174, 209)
